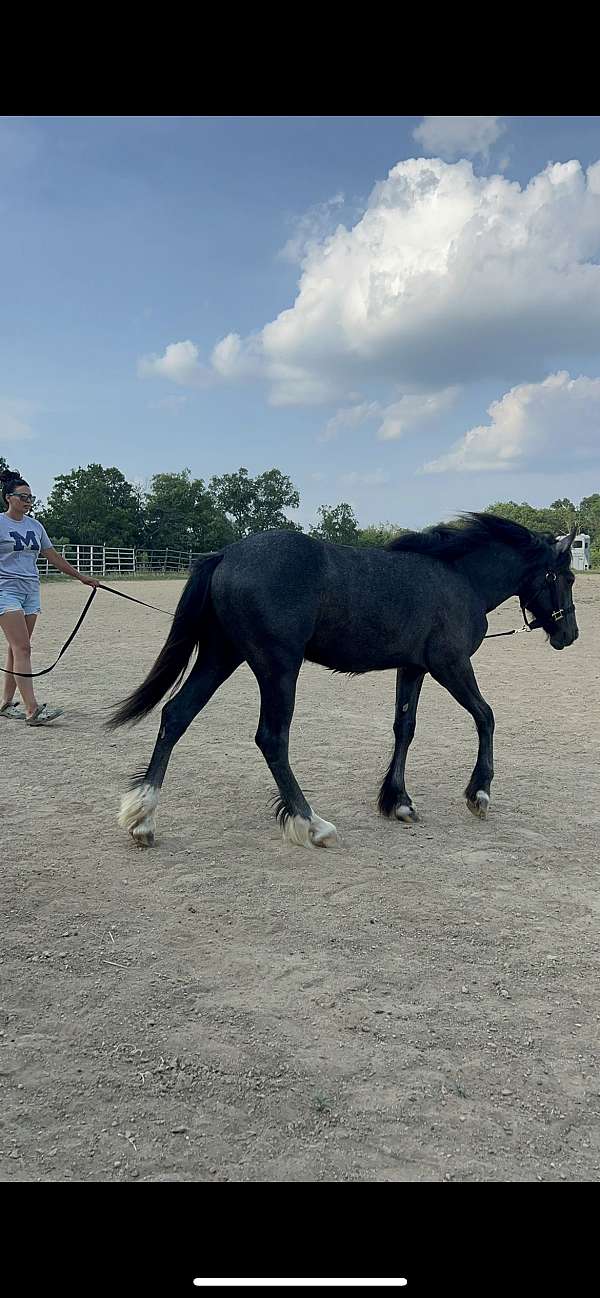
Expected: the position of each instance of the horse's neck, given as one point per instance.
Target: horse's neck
(495, 572)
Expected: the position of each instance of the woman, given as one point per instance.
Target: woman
(22, 540)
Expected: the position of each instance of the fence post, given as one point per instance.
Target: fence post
(104, 558)
(133, 558)
(119, 557)
(77, 559)
(165, 562)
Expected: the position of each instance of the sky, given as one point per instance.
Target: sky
(398, 312)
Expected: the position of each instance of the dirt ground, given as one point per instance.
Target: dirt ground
(417, 1004)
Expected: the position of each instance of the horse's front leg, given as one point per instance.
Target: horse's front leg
(394, 801)
(459, 679)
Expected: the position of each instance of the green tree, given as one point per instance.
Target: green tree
(564, 515)
(92, 505)
(180, 513)
(589, 516)
(337, 523)
(379, 533)
(557, 517)
(255, 504)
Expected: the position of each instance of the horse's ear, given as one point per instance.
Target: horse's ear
(564, 543)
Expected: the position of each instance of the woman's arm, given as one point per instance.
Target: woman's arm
(57, 561)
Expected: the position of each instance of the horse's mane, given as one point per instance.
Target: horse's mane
(470, 532)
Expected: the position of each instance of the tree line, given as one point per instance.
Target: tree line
(96, 504)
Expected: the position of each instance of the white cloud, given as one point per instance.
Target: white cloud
(413, 410)
(350, 417)
(233, 359)
(405, 415)
(14, 420)
(448, 277)
(377, 478)
(311, 228)
(454, 137)
(557, 421)
(180, 364)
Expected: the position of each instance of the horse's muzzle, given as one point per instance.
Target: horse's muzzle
(564, 635)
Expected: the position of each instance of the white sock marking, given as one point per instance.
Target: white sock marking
(309, 833)
(137, 813)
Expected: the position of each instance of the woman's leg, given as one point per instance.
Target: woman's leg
(9, 681)
(18, 630)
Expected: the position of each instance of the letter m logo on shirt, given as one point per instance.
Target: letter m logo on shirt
(27, 542)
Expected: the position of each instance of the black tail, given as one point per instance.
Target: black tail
(184, 636)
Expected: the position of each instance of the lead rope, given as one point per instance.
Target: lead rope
(100, 586)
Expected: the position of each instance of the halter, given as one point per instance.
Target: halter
(558, 613)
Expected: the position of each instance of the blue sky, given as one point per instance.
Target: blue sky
(295, 291)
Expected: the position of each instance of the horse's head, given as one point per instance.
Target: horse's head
(548, 593)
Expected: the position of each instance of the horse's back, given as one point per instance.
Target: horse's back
(347, 607)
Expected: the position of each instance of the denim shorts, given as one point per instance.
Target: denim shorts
(13, 603)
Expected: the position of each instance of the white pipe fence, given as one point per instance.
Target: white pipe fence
(102, 560)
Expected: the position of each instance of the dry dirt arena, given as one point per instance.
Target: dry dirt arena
(417, 1004)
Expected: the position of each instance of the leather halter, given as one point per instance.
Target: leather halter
(558, 613)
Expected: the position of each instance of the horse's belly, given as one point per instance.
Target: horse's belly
(352, 657)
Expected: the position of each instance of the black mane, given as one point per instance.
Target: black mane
(450, 541)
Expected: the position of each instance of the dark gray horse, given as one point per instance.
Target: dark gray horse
(418, 605)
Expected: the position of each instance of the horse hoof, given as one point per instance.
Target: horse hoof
(478, 806)
(407, 815)
(309, 833)
(137, 814)
(322, 833)
(143, 837)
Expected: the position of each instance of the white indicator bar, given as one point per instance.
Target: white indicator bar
(297, 1283)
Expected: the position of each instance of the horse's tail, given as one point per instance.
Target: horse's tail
(184, 636)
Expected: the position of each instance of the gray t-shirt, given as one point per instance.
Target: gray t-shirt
(20, 547)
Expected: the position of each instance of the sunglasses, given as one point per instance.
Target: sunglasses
(20, 496)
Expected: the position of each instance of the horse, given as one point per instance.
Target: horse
(417, 605)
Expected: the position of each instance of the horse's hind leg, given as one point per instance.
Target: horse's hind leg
(138, 807)
(459, 680)
(277, 682)
(393, 798)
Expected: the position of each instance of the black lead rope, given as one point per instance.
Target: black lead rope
(531, 626)
(515, 631)
(122, 594)
(30, 675)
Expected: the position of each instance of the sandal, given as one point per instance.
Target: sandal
(13, 710)
(43, 715)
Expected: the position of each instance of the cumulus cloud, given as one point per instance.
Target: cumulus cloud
(14, 420)
(180, 363)
(557, 421)
(448, 277)
(311, 228)
(350, 417)
(413, 410)
(453, 137)
(405, 415)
